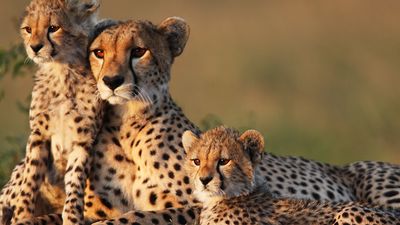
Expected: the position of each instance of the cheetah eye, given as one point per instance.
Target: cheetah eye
(53, 28)
(196, 162)
(138, 52)
(99, 53)
(223, 162)
(27, 29)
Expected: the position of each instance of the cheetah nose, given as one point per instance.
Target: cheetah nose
(205, 180)
(36, 48)
(113, 81)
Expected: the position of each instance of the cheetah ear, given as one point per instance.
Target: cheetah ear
(188, 138)
(83, 8)
(177, 32)
(92, 6)
(253, 143)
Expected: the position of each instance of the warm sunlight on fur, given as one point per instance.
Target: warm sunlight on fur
(221, 162)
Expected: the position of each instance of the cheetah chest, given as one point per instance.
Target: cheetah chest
(62, 134)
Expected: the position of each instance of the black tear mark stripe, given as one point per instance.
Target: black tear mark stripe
(135, 79)
(222, 186)
(53, 50)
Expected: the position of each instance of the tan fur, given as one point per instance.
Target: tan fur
(245, 205)
(74, 20)
(140, 140)
(138, 153)
(152, 124)
(209, 152)
(278, 172)
(141, 127)
(64, 115)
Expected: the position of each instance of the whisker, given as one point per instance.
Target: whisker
(140, 92)
(135, 90)
(27, 60)
(146, 96)
(149, 100)
(141, 97)
(129, 90)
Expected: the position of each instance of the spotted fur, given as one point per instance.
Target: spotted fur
(145, 126)
(285, 176)
(138, 153)
(64, 115)
(138, 160)
(221, 164)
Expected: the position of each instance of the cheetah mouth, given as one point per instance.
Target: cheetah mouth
(210, 192)
(118, 96)
(124, 94)
(116, 100)
(205, 195)
(41, 59)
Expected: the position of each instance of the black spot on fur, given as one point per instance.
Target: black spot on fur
(119, 157)
(153, 198)
(101, 213)
(106, 203)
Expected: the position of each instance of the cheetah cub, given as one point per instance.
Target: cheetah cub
(65, 111)
(221, 164)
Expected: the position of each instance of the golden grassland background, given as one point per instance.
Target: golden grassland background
(319, 79)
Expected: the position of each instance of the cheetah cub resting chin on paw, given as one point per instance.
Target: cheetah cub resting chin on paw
(221, 164)
(64, 115)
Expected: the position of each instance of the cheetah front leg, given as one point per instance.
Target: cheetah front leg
(188, 215)
(36, 161)
(77, 171)
(9, 192)
(75, 177)
(50, 219)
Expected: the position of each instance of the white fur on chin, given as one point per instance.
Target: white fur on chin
(116, 100)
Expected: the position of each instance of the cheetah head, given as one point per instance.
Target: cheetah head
(221, 163)
(57, 30)
(132, 60)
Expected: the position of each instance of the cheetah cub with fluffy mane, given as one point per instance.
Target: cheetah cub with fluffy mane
(221, 165)
(64, 115)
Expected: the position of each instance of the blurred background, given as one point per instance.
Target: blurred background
(319, 79)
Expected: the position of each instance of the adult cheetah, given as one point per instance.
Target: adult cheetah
(222, 164)
(133, 75)
(64, 115)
